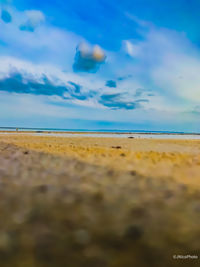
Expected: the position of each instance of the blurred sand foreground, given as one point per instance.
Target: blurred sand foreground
(99, 202)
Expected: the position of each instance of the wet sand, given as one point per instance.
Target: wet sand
(98, 201)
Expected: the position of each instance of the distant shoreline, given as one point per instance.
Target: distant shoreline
(81, 131)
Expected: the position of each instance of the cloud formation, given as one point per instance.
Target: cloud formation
(25, 78)
(115, 101)
(19, 83)
(22, 84)
(34, 18)
(88, 59)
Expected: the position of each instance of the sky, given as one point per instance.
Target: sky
(99, 64)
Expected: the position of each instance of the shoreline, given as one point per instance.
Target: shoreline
(41, 130)
(156, 136)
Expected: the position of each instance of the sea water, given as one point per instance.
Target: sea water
(99, 133)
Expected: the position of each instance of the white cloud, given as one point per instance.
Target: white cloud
(170, 64)
(33, 18)
(131, 49)
(180, 75)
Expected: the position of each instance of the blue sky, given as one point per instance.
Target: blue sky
(131, 64)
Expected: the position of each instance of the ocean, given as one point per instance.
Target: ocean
(100, 133)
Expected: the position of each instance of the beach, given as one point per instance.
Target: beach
(98, 201)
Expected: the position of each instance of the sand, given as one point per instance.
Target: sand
(98, 201)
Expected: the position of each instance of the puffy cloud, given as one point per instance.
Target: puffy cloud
(6, 16)
(111, 83)
(33, 19)
(88, 59)
(116, 101)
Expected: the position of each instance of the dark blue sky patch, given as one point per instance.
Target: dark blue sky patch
(6, 16)
(111, 84)
(26, 27)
